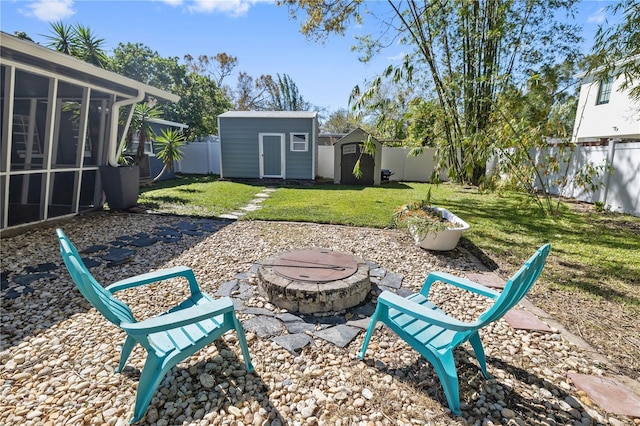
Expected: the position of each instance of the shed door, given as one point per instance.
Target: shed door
(271, 155)
(348, 158)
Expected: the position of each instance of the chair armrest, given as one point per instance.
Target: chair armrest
(463, 283)
(418, 311)
(177, 319)
(155, 276)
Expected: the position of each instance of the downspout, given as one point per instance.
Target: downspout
(114, 148)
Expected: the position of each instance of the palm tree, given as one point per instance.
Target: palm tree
(78, 41)
(89, 47)
(63, 38)
(171, 142)
(141, 127)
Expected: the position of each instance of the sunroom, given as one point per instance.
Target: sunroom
(60, 122)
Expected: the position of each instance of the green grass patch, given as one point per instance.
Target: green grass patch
(200, 196)
(595, 253)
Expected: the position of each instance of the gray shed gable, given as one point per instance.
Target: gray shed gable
(265, 144)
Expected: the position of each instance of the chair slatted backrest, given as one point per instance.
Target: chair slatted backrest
(517, 286)
(113, 309)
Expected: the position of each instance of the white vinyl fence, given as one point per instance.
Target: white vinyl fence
(202, 157)
(405, 167)
(621, 188)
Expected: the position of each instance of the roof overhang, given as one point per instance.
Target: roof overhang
(33, 55)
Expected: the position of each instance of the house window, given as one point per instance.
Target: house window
(299, 142)
(133, 148)
(604, 91)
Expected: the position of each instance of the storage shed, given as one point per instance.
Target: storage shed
(347, 151)
(268, 144)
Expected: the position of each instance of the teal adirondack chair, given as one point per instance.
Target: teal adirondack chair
(168, 338)
(434, 334)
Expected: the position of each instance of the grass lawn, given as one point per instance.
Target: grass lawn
(591, 281)
(200, 196)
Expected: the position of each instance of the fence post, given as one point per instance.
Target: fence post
(607, 177)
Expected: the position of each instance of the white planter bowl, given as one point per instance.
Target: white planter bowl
(446, 239)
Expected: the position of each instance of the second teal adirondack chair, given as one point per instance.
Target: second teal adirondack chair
(434, 334)
(168, 338)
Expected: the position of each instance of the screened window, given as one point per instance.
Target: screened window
(299, 142)
(604, 91)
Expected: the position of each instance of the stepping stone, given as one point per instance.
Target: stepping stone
(89, 262)
(124, 238)
(118, 255)
(143, 242)
(262, 195)
(227, 288)
(141, 235)
(365, 310)
(4, 280)
(377, 272)
(525, 320)
(43, 267)
(238, 305)
(392, 280)
(259, 311)
(372, 265)
(328, 320)
(340, 335)
(118, 262)
(244, 292)
(95, 248)
(170, 239)
(250, 208)
(287, 317)
(185, 226)
(293, 342)
(168, 232)
(487, 279)
(404, 292)
(27, 279)
(243, 276)
(294, 327)
(611, 395)
(192, 233)
(14, 294)
(362, 323)
(118, 243)
(263, 326)
(228, 216)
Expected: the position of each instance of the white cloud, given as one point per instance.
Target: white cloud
(399, 57)
(49, 10)
(233, 8)
(598, 17)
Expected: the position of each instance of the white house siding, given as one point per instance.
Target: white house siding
(617, 119)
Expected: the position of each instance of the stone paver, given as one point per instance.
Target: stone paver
(613, 396)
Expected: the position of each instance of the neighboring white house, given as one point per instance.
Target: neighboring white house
(607, 129)
(605, 111)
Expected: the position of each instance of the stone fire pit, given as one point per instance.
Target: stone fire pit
(314, 280)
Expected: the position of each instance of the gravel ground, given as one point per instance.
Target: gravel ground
(58, 354)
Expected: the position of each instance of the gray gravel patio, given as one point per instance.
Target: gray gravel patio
(58, 354)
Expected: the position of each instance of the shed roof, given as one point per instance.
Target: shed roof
(269, 114)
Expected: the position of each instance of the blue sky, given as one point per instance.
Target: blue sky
(263, 37)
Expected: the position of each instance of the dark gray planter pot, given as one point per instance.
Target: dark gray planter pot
(121, 186)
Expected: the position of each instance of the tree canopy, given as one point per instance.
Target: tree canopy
(463, 55)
